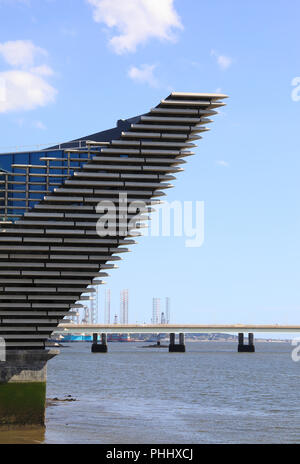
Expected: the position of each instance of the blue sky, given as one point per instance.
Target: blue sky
(76, 66)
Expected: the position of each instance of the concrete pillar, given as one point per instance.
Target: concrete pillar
(172, 342)
(99, 347)
(104, 339)
(23, 378)
(172, 339)
(251, 347)
(241, 339)
(242, 348)
(251, 339)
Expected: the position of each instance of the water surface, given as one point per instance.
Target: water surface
(210, 394)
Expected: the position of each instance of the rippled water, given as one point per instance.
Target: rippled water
(211, 394)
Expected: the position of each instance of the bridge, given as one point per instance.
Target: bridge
(172, 330)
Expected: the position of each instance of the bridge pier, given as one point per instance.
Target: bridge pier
(23, 377)
(242, 348)
(102, 347)
(176, 347)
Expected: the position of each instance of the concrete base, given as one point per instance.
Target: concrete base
(177, 348)
(99, 348)
(242, 347)
(102, 347)
(23, 378)
(246, 349)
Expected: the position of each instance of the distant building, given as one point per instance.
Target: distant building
(124, 307)
(158, 316)
(107, 307)
(156, 305)
(168, 305)
(87, 316)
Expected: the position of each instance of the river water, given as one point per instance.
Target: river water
(210, 394)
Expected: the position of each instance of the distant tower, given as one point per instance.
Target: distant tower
(168, 304)
(94, 307)
(116, 319)
(107, 307)
(86, 317)
(76, 318)
(162, 318)
(124, 307)
(156, 303)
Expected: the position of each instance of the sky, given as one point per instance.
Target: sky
(74, 67)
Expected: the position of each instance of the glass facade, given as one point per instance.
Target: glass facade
(25, 178)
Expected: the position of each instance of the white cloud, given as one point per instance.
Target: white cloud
(2, 90)
(24, 87)
(222, 163)
(144, 74)
(39, 125)
(223, 61)
(24, 90)
(136, 21)
(20, 53)
(42, 70)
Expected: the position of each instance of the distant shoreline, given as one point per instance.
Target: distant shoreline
(257, 340)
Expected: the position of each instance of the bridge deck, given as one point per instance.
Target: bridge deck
(173, 328)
